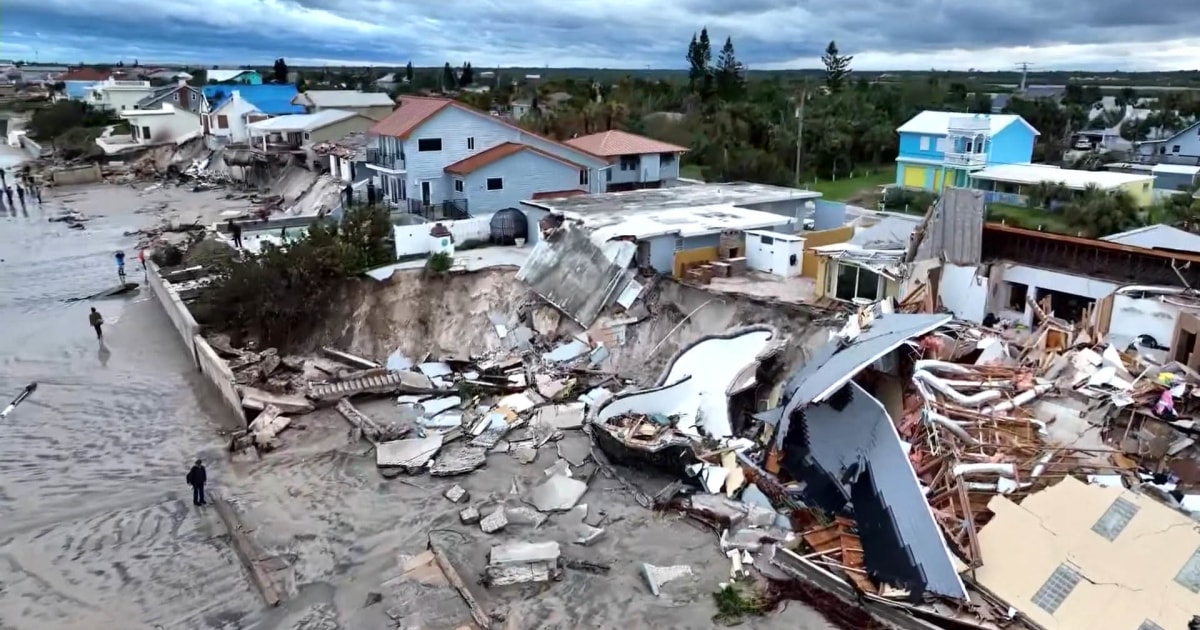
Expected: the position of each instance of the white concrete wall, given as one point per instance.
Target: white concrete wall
(176, 311)
(412, 240)
(164, 127)
(964, 293)
(235, 111)
(1132, 316)
(1035, 279)
(120, 99)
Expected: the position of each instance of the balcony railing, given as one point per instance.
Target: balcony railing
(386, 159)
(966, 160)
(969, 125)
(449, 210)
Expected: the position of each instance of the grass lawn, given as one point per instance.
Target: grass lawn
(1028, 218)
(691, 171)
(852, 189)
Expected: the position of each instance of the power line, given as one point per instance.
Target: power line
(1024, 66)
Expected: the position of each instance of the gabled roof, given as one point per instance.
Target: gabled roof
(415, 110)
(343, 98)
(225, 75)
(934, 123)
(85, 74)
(615, 143)
(161, 94)
(273, 99)
(475, 162)
(1186, 130)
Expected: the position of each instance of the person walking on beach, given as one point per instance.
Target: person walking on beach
(8, 193)
(21, 194)
(235, 231)
(142, 258)
(196, 478)
(120, 256)
(97, 321)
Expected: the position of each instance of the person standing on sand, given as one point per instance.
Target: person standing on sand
(8, 193)
(196, 478)
(97, 321)
(21, 194)
(142, 258)
(235, 231)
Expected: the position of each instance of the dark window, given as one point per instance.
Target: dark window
(470, 144)
(583, 177)
(458, 185)
(1175, 149)
(222, 121)
(666, 159)
(856, 282)
(608, 174)
(767, 240)
(429, 144)
(146, 133)
(495, 183)
(629, 162)
(1017, 295)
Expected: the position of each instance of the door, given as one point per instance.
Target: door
(914, 177)
(426, 192)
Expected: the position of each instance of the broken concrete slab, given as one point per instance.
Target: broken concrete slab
(559, 467)
(458, 460)
(435, 406)
(560, 417)
(435, 369)
(525, 454)
(567, 352)
(494, 521)
(257, 399)
(412, 454)
(456, 494)
(525, 515)
(523, 562)
(656, 576)
(557, 493)
(580, 532)
(469, 516)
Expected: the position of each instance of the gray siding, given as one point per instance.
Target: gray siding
(454, 127)
(662, 253)
(1172, 181)
(523, 174)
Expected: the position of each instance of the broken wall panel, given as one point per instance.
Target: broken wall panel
(575, 275)
(850, 442)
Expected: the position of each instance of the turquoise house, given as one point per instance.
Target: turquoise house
(939, 149)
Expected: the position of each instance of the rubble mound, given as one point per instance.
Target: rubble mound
(208, 252)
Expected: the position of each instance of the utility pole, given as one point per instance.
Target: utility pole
(1024, 66)
(800, 132)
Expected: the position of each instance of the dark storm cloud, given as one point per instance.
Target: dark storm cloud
(626, 33)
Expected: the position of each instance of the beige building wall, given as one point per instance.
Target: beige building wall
(1123, 583)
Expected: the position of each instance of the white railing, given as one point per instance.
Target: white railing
(969, 124)
(969, 160)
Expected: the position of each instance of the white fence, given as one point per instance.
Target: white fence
(412, 240)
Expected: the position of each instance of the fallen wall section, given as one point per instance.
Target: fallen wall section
(212, 366)
(75, 175)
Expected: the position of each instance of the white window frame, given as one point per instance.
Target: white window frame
(880, 291)
(583, 177)
(942, 144)
(926, 143)
(459, 185)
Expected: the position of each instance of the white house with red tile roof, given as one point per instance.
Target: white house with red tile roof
(637, 161)
(436, 154)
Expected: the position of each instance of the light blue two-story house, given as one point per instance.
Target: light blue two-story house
(939, 149)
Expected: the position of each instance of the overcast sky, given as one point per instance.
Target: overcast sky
(768, 34)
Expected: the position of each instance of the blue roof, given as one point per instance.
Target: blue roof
(274, 99)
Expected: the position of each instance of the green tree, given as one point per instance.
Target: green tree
(468, 75)
(280, 295)
(837, 67)
(1095, 212)
(63, 116)
(730, 82)
(280, 71)
(408, 72)
(981, 103)
(704, 50)
(449, 81)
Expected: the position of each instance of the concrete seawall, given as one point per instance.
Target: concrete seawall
(212, 366)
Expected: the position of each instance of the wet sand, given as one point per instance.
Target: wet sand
(96, 526)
